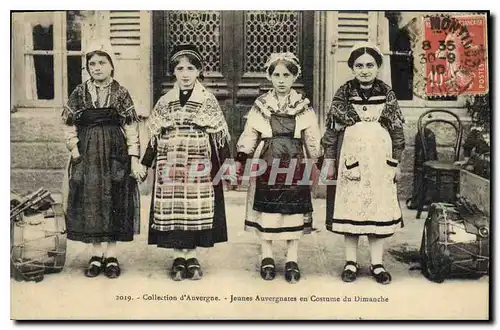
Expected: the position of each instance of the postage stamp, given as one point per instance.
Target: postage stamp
(455, 55)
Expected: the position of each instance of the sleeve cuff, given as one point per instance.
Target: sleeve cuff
(149, 156)
(134, 151)
(241, 157)
(319, 162)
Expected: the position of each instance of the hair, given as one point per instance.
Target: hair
(191, 59)
(88, 56)
(361, 51)
(292, 67)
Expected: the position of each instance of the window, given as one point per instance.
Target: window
(401, 63)
(402, 67)
(47, 57)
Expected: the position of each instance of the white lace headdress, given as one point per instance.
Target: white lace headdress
(289, 57)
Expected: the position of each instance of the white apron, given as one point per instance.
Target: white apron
(366, 196)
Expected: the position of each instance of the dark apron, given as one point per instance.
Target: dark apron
(102, 195)
(282, 148)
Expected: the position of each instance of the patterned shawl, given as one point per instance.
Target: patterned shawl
(343, 113)
(207, 115)
(267, 104)
(85, 97)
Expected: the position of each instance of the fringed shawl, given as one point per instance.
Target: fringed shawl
(342, 112)
(85, 97)
(265, 105)
(206, 113)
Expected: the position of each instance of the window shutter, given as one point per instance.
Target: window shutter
(125, 33)
(352, 27)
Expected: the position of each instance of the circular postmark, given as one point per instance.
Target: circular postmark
(450, 54)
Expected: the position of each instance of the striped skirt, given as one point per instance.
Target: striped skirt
(183, 193)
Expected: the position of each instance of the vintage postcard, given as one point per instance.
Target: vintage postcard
(250, 165)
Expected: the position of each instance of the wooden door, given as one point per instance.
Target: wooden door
(235, 45)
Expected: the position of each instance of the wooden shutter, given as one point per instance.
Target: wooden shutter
(125, 33)
(353, 26)
(348, 28)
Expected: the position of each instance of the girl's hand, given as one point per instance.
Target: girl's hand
(461, 162)
(139, 171)
(398, 176)
(329, 173)
(231, 176)
(239, 169)
(75, 154)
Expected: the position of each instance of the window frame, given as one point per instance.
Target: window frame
(59, 53)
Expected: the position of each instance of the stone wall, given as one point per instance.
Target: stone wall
(38, 151)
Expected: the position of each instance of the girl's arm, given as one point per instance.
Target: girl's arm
(154, 128)
(131, 125)
(312, 137)
(69, 127)
(398, 142)
(329, 141)
(150, 154)
(132, 136)
(71, 135)
(396, 128)
(248, 139)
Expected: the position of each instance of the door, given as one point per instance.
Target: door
(235, 45)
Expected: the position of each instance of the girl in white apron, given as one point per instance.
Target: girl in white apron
(364, 138)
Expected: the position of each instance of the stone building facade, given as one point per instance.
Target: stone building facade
(47, 62)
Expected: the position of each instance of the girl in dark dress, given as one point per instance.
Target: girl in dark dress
(102, 197)
(187, 129)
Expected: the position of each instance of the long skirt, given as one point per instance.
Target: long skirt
(277, 225)
(103, 199)
(186, 213)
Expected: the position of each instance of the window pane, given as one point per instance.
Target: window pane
(402, 76)
(74, 30)
(39, 77)
(401, 62)
(74, 72)
(43, 36)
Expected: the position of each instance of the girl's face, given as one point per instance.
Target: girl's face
(365, 69)
(100, 68)
(186, 73)
(282, 79)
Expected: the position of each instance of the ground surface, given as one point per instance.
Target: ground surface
(232, 269)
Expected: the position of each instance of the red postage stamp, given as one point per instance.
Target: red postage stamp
(455, 53)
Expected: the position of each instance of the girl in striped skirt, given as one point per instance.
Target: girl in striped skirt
(190, 141)
(364, 137)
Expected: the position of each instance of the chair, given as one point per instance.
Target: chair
(440, 174)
